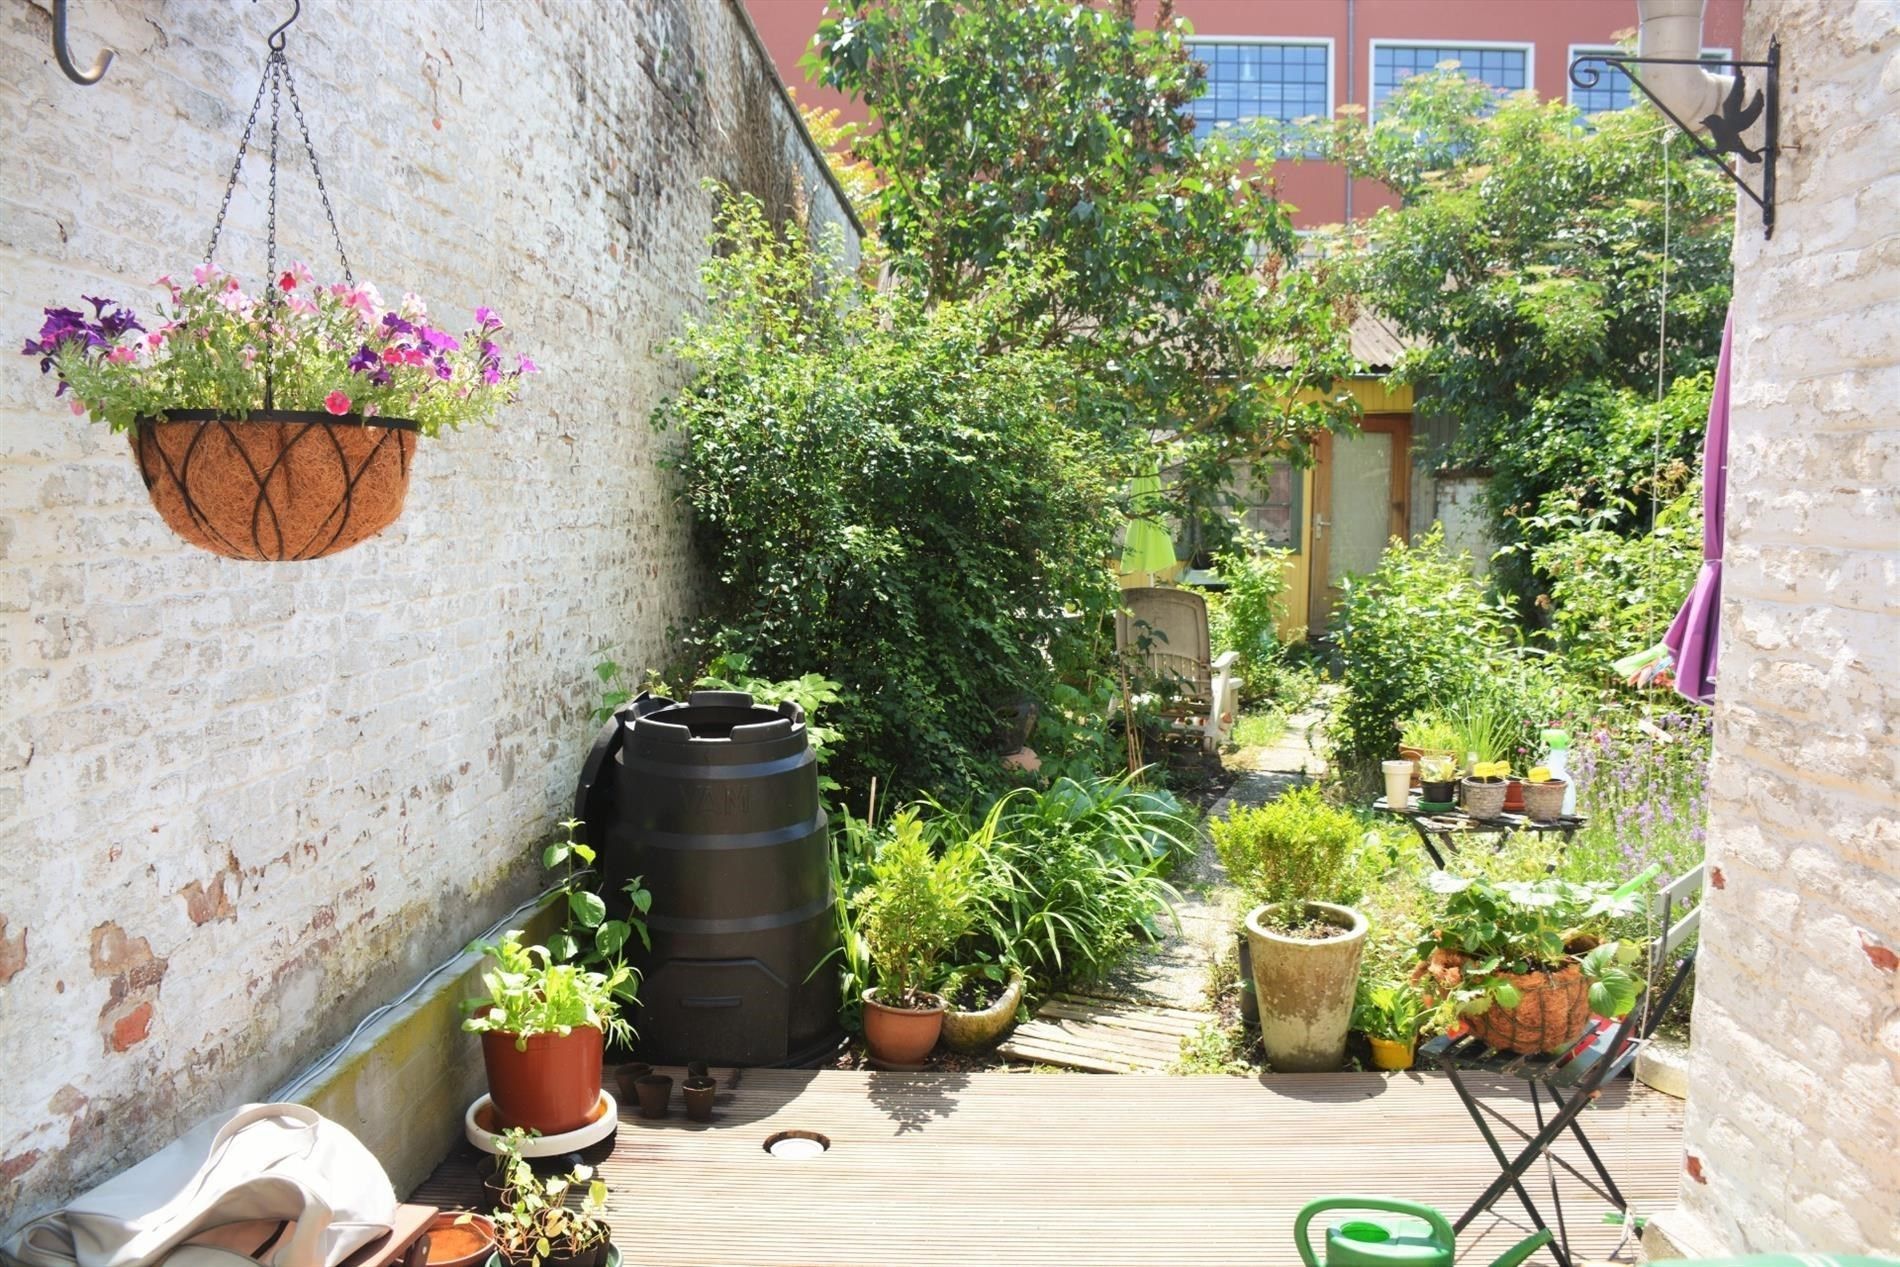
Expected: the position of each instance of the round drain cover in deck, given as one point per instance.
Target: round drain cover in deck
(796, 1145)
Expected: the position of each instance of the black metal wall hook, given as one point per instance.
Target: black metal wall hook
(1737, 114)
(64, 52)
(276, 38)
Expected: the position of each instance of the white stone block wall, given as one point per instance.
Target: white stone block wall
(243, 803)
(1793, 1128)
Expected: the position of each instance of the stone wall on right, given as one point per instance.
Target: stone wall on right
(1792, 1138)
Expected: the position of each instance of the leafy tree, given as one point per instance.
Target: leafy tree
(1528, 257)
(890, 494)
(1058, 132)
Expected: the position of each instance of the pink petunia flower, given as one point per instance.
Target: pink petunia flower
(124, 354)
(205, 272)
(337, 403)
(78, 407)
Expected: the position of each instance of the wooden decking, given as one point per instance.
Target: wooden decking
(1074, 1169)
(1101, 1035)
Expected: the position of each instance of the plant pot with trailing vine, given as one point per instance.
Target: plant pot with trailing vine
(980, 1005)
(1296, 858)
(540, 1226)
(1438, 787)
(544, 1026)
(917, 907)
(1523, 964)
(1390, 1014)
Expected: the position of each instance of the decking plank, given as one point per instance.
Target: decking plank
(1063, 1169)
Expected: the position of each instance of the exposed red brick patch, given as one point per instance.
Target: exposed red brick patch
(12, 952)
(132, 1028)
(1693, 1164)
(18, 1164)
(1717, 879)
(204, 905)
(1881, 956)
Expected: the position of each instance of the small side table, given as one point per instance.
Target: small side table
(1448, 825)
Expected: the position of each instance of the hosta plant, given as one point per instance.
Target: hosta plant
(529, 993)
(330, 348)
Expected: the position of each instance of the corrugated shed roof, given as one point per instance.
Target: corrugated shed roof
(1376, 343)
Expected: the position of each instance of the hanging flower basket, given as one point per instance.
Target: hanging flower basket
(282, 425)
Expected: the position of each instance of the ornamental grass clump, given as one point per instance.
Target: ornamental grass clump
(303, 345)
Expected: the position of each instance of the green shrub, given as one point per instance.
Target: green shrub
(1246, 616)
(889, 495)
(917, 908)
(1414, 634)
(1292, 850)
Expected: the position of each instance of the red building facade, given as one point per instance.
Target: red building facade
(1292, 58)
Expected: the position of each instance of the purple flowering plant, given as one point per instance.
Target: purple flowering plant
(334, 348)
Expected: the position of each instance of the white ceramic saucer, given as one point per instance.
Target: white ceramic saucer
(477, 1124)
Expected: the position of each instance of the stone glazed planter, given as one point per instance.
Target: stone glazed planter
(1550, 1015)
(901, 1036)
(1483, 798)
(973, 1031)
(276, 486)
(1305, 988)
(553, 1086)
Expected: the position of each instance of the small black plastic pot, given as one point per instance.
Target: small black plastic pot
(699, 1094)
(654, 1091)
(1439, 792)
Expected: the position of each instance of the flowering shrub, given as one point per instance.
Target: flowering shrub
(333, 348)
(1645, 790)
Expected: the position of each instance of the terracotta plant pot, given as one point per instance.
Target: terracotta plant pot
(699, 1094)
(1483, 798)
(1390, 1054)
(627, 1078)
(1305, 988)
(1544, 802)
(466, 1243)
(1413, 755)
(553, 1086)
(1550, 1015)
(654, 1092)
(973, 1031)
(278, 486)
(1514, 796)
(901, 1036)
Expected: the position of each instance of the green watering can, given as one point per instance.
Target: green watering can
(1419, 1237)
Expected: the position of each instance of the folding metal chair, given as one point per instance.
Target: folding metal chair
(1572, 1078)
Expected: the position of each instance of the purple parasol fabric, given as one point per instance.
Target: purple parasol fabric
(1692, 639)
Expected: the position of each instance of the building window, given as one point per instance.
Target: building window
(1253, 79)
(1613, 91)
(1507, 69)
(1269, 498)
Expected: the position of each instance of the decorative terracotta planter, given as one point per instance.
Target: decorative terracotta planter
(901, 1036)
(1390, 1054)
(277, 486)
(463, 1243)
(1545, 801)
(1550, 1015)
(973, 1031)
(1305, 988)
(1482, 798)
(552, 1087)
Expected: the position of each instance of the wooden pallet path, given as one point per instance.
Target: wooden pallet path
(1069, 1168)
(1103, 1035)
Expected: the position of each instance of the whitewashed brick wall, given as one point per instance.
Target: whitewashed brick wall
(243, 803)
(1793, 1132)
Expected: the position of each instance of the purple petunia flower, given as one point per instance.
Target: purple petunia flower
(439, 340)
(365, 360)
(485, 317)
(524, 366)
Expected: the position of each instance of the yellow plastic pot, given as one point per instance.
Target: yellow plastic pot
(1391, 1054)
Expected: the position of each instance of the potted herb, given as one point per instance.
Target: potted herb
(980, 1003)
(917, 908)
(1390, 1015)
(1438, 788)
(282, 425)
(1483, 789)
(1297, 858)
(1425, 735)
(1544, 795)
(1522, 964)
(544, 1026)
(537, 1228)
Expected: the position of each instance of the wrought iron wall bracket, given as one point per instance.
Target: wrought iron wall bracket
(1738, 113)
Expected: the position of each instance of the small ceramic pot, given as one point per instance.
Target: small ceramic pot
(1390, 1054)
(654, 1091)
(699, 1094)
(1514, 796)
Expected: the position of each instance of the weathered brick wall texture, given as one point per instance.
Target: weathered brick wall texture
(243, 803)
(1793, 1133)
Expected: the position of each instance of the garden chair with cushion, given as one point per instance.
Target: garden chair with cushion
(1164, 631)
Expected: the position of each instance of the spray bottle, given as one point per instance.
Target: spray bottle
(1557, 759)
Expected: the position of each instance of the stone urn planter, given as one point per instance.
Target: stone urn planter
(974, 1031)
(1305, 986)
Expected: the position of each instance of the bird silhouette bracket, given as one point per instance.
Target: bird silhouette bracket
(1726, 127)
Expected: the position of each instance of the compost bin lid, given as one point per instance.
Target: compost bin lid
(716, 717)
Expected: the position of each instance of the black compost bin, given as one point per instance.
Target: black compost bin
(714, 802)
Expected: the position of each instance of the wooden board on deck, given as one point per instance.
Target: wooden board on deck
(1100, 1035)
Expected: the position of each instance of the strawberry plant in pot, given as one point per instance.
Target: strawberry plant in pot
(917, 908)
(544, 1026)
(1522, 964)
(280, 424)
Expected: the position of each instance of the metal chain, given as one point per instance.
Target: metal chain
(237, 166)
(296, 108)
(271, 289)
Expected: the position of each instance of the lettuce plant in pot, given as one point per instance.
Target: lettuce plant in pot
(917, 908)
(1297, 857)
(1522, 964)
(536, 1227)
(544, 1026)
